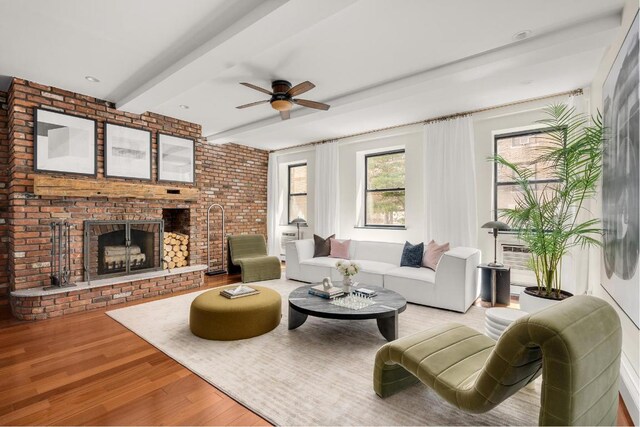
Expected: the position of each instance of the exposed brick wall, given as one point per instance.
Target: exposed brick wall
(44, 307)
(4, 200)
(232, 175)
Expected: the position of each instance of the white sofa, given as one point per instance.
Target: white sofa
(453, 286)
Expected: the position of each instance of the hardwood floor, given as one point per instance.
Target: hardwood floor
(87, 369)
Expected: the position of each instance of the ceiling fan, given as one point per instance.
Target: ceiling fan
(282, 97)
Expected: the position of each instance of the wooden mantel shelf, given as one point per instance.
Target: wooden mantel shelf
(76, 187)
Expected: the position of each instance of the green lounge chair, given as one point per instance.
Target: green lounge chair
(575, 344)
(249, 254)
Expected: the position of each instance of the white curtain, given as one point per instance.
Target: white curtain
(274, 206)
(326, 206)
(581, 266)
(450, 182)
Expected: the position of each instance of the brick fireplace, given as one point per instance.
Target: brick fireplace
(118, 248)
(232, 175)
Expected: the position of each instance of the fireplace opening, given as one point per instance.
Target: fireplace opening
(114, 248)
(177, 227)
(112, 252)
(176, 220)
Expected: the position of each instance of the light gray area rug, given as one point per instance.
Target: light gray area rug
(318, 374)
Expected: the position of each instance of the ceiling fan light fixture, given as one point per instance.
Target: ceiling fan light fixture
(284, 96)
(281, 104)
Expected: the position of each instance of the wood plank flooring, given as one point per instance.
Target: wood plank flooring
(87, 369)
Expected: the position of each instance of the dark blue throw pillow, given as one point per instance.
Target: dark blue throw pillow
(412, 255)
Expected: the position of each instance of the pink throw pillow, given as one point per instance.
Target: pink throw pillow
(339, 250)
(433, 254)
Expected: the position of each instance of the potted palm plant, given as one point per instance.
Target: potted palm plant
(551, 220)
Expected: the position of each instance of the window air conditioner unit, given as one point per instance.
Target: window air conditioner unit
(287, 236)
(516, 256)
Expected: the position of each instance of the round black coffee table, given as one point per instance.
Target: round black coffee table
(388, 305)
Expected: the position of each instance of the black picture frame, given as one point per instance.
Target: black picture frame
(289, 193)
(367, 190)
(160, 164)
(37, 127)
(106, 157)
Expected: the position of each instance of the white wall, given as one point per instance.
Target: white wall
(631, 335)
(351, 170)
(352, 186)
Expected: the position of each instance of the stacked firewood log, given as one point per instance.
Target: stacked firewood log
(176, 250)
(115, 257)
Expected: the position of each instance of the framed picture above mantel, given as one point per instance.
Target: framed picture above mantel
(176, 159)
(64, 143)
(127, 152)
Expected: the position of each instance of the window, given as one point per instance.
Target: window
(384, 189)
(520, 148)
(297, 192)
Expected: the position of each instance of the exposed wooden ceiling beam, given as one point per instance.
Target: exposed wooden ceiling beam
(244, 38)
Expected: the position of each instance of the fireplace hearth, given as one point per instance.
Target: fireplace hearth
(115, 248)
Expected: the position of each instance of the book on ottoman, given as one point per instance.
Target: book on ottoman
(238, 292)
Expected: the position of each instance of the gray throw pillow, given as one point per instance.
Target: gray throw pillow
(323, 246)
(412, 255)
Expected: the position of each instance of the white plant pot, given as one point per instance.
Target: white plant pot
(532, 304)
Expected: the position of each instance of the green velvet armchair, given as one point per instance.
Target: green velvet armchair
(249, 254)
(575, 345)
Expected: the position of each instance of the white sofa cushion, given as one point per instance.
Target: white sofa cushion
(422, 274)
(315, 269)
(372, 272)
(322, 261)
(376, 267)
(417, 285)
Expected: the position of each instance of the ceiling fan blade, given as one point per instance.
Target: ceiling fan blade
(311, 104)
(259, 89)
(300, 89)
(284, 115)
(252, 104)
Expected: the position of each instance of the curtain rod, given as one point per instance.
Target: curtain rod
(575, 92)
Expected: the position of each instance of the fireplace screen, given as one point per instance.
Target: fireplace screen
(113, 248)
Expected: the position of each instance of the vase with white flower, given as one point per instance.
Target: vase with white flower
(348, 269)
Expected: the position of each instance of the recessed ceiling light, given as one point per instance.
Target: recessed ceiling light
(521, 35)
(92, 79)
(184, 107)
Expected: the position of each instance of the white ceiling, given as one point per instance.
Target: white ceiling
(377, 62)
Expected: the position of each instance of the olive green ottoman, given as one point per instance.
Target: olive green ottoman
(215, 317)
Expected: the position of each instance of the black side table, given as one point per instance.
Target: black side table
(495, 284)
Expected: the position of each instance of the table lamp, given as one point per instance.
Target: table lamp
(496, 226)
(299, 222)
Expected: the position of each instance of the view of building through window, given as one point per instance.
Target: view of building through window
(297, 192)
(521, 149)
(385, 189)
